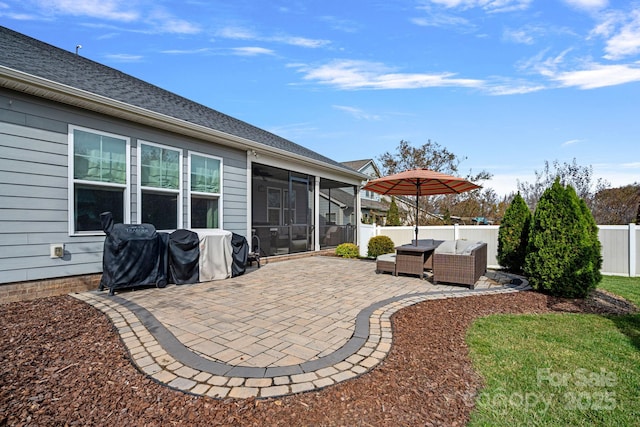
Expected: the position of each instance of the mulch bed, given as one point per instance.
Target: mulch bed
(61, 363)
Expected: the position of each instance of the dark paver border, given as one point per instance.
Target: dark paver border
(187, 357)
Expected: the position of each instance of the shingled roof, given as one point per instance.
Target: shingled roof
(28, 55)
(357, 164)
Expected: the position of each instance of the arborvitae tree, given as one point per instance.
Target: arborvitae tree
(513, 235)
(563, 254)
(393, 216)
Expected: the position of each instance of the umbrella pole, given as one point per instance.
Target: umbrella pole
(417, 209)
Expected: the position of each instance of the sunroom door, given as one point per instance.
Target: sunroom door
(298, 213)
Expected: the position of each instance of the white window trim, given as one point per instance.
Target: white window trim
(198, 193)
(140, 188)
(72, 181)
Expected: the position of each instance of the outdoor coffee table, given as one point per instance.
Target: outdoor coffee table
(412, 259)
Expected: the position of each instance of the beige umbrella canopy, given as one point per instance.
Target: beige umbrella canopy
(419, 182)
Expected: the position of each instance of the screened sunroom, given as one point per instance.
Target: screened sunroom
(295, 212)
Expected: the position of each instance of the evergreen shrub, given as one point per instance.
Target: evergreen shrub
(513, 235)
(380, 245)
(393, 216)
(347, 250)
(563, 254)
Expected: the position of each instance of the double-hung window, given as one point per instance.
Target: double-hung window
(98, 175)
(205, 185)
(159, 198)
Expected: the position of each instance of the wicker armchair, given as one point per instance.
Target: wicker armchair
(464, 266)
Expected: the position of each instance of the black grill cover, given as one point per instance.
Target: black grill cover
(134, 255)
(240, 253)
(184, 257)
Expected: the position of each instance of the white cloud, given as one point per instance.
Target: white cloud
(357, 112)
(570, 142)
(124, 57)
(609, 21)
(354, 74)
(21, 16)
(156, 18)
(627, 41)
(442, 20)
(514, 88)
(583, 74)
(175, 26)
(449, 3)
(240, 33)
(115, 10)
(539, 63)
(239, 51)
(16, 16)
(237, 33)
(251, 51)
(588, 4)
(299, 41)
(107, 36)
(186, 51)
(524, 35)
(487, 5)
(597, 76)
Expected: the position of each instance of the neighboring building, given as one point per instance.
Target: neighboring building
(78, 138)
(374, 207)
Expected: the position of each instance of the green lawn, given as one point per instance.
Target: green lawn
(626, 287)
(559, 369)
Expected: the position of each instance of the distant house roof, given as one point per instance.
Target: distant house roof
(359, 165)
(374, 205)
(70, 77)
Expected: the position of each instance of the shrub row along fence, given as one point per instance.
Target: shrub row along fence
(620, 243)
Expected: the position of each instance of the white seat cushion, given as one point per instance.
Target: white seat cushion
(446, 247)
(462, 245)
(471, 248)
(386, 257)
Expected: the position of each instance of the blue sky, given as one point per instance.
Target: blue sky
(505, 84)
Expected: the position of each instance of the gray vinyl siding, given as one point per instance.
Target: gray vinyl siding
(34, 179)
(369, 170)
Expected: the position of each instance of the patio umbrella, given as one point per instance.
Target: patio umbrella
(419, 182)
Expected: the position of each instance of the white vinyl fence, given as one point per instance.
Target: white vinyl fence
(620, 243)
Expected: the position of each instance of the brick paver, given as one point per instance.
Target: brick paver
(287, 327)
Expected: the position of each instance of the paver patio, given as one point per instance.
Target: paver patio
(287, 327)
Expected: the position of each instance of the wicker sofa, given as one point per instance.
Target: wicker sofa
(460, 262)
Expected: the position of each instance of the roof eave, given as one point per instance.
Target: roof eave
(58, 92)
